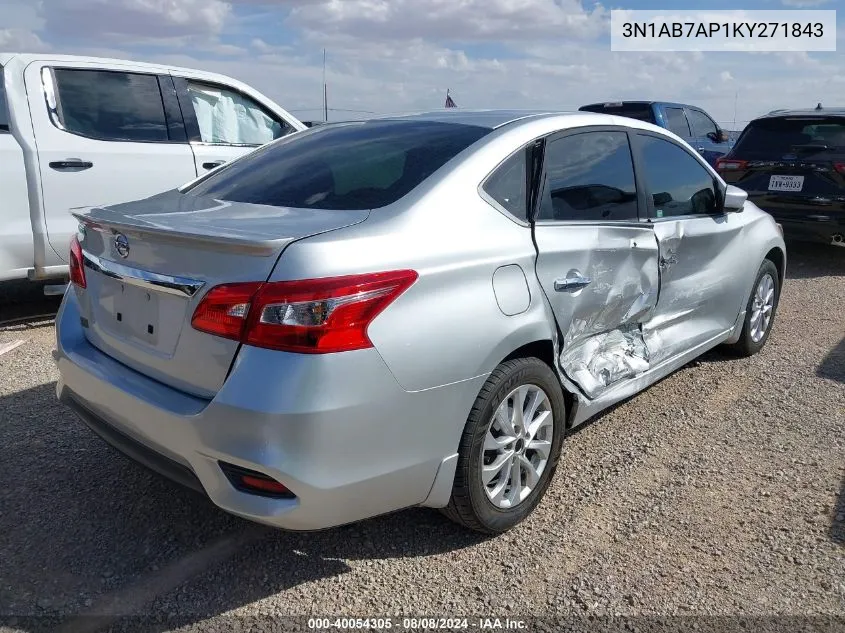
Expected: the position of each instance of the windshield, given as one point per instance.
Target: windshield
(774, 138)
(348, 166)
(639, 111)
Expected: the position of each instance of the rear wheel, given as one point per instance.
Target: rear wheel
(510, 447)
(760, 311)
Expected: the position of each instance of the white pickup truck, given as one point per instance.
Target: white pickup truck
(81, 131)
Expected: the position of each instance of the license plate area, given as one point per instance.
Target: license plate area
(786, 183)
(141, 316)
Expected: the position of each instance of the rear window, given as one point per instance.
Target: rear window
(771, 139)
(639, 111)
(353, 167)
(4, 109)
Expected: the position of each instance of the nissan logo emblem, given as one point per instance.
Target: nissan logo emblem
(121, 245)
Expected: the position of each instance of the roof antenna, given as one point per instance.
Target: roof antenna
(819, 107)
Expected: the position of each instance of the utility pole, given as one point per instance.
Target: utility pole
(325, 90)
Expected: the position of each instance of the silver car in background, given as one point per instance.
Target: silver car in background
(408, 311)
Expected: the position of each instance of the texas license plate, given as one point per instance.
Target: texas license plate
(786, 183)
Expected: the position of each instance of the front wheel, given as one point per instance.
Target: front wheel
(510, 447)
(760, 311)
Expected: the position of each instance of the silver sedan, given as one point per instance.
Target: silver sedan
(408, 311)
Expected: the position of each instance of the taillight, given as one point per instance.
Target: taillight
(313, 316)
(730, 164)
(840, 167)
(224, 309)
(75, 264)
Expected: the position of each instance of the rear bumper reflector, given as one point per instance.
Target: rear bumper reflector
(254, 482)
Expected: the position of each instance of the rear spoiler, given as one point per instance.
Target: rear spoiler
(102, 220)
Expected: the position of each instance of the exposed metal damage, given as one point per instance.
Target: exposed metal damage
(605, 342)
(601, 360)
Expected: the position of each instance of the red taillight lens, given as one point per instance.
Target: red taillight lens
(224, 309)
(75, 264)
(840, 167)
(313, 316)
(730, 164)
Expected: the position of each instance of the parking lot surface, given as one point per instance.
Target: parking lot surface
(720, 490)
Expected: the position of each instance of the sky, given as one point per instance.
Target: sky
(388, 56)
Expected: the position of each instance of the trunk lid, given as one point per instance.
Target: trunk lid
(149, 263)
(793, 167)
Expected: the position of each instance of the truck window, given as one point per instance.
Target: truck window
(4, 108)
(226, 117)
(111, 106)
(702, 125)
(639, 111)
(677, 122)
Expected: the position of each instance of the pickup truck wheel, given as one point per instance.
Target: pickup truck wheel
(760, 311)
(510, 447)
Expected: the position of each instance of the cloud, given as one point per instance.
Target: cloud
(452, 20)
(804, 4)
(399, 55)
(142, 20)
(21, 40)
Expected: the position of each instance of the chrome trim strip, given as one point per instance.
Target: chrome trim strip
(179, 286)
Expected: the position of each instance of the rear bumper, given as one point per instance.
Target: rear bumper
(337, 430)
(817, 227)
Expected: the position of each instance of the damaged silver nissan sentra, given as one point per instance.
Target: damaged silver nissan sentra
(408, 311)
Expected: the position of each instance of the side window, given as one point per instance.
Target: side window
(589, 176)
(507, 185)
(227, 117)
(111, 106)
(677, 122)
(678, 183)
(4, 109)
(702, 125)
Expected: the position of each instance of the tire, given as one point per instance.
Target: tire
(747, 345)
(471, 505)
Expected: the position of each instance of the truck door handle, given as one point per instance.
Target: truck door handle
(572, 283)
(213, 164)
(71, 163)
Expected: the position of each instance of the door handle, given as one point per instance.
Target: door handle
(700, 149)
(213, 164)
(572, 283)
(71, 163)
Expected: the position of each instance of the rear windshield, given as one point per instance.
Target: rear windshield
(347, 166)
(772, 139)
(639, 111)
(4, 109)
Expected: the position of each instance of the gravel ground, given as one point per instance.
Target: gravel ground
(718, 491)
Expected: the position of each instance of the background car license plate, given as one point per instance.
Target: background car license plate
(786, 183)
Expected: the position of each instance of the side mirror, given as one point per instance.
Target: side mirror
(734, 199)
(718, 137)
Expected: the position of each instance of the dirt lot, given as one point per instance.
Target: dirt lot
(719, 491)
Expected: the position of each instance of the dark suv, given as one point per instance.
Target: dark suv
(792, 164)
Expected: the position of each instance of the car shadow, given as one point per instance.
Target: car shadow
(805, 260)
(86, 531)
(833, 365)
